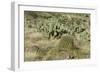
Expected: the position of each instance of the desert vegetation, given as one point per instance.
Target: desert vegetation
(56, 36)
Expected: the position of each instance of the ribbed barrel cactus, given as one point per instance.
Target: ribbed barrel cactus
(67, 42)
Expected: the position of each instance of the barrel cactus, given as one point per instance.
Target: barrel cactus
(68, 42)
